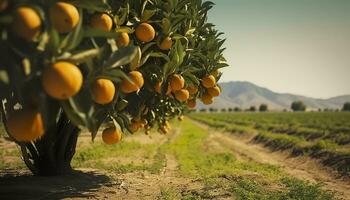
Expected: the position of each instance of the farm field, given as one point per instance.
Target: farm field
(193, 161)
(323, 136)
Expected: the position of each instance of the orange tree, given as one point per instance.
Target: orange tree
(118, 64)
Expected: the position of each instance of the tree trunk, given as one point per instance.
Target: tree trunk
(53, 153)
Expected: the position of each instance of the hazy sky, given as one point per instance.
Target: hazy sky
(294, 46)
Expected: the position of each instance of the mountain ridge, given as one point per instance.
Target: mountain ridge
(244, 94)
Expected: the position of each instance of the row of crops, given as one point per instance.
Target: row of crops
(324, 136)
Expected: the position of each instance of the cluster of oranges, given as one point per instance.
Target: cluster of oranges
(62, 80)
(176, 87)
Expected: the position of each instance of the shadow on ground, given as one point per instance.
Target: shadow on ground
(22, 185)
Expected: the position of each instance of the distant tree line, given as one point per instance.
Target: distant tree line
(346, 107)
(296, 106)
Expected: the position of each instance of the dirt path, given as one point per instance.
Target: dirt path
(300, 167)
(144, 185)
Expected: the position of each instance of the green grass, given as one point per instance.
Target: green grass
(119, 158)
(10, 159)
(243, 179)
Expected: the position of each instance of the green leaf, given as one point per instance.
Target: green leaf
(147, 14)
(4, 77)
(83, 56)
(121, 105)
(54, 40)
(76, 117)
(124, 29)
(115, 75)
(121, 57)
(159, 55)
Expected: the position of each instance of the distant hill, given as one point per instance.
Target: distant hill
(245, 94)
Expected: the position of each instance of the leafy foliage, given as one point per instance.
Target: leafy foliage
(197, 51)
(298, 106)
(346, 106)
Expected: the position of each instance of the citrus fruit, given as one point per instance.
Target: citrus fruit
(191, 103)
(25, 125)
(145, 32)
(182, 95)
(101, 21)
(123, 40)
(214, 91)
(177, 82)
(207, 99)
(134, 84)
(64, 17)
(111, 135)
(166, 44)
(208, 81)
(103, 91)
(27, 23)
(62, 80)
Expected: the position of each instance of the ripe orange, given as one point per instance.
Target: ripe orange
(182, 95)
(111, 135)
(207, 99)
(134, 85)
(103, 91)
(191, 103)
(26, 23)
(208, 81)
(123, 40)
(177, 82)
(214, 91)
(101, 21)
(64, 17)
(166, 44)
(192, 89)
(25, 125)
(145, 32)
(3, 5)
(62, 80)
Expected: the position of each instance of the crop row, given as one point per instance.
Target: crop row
(287, 131)
(307, 126)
